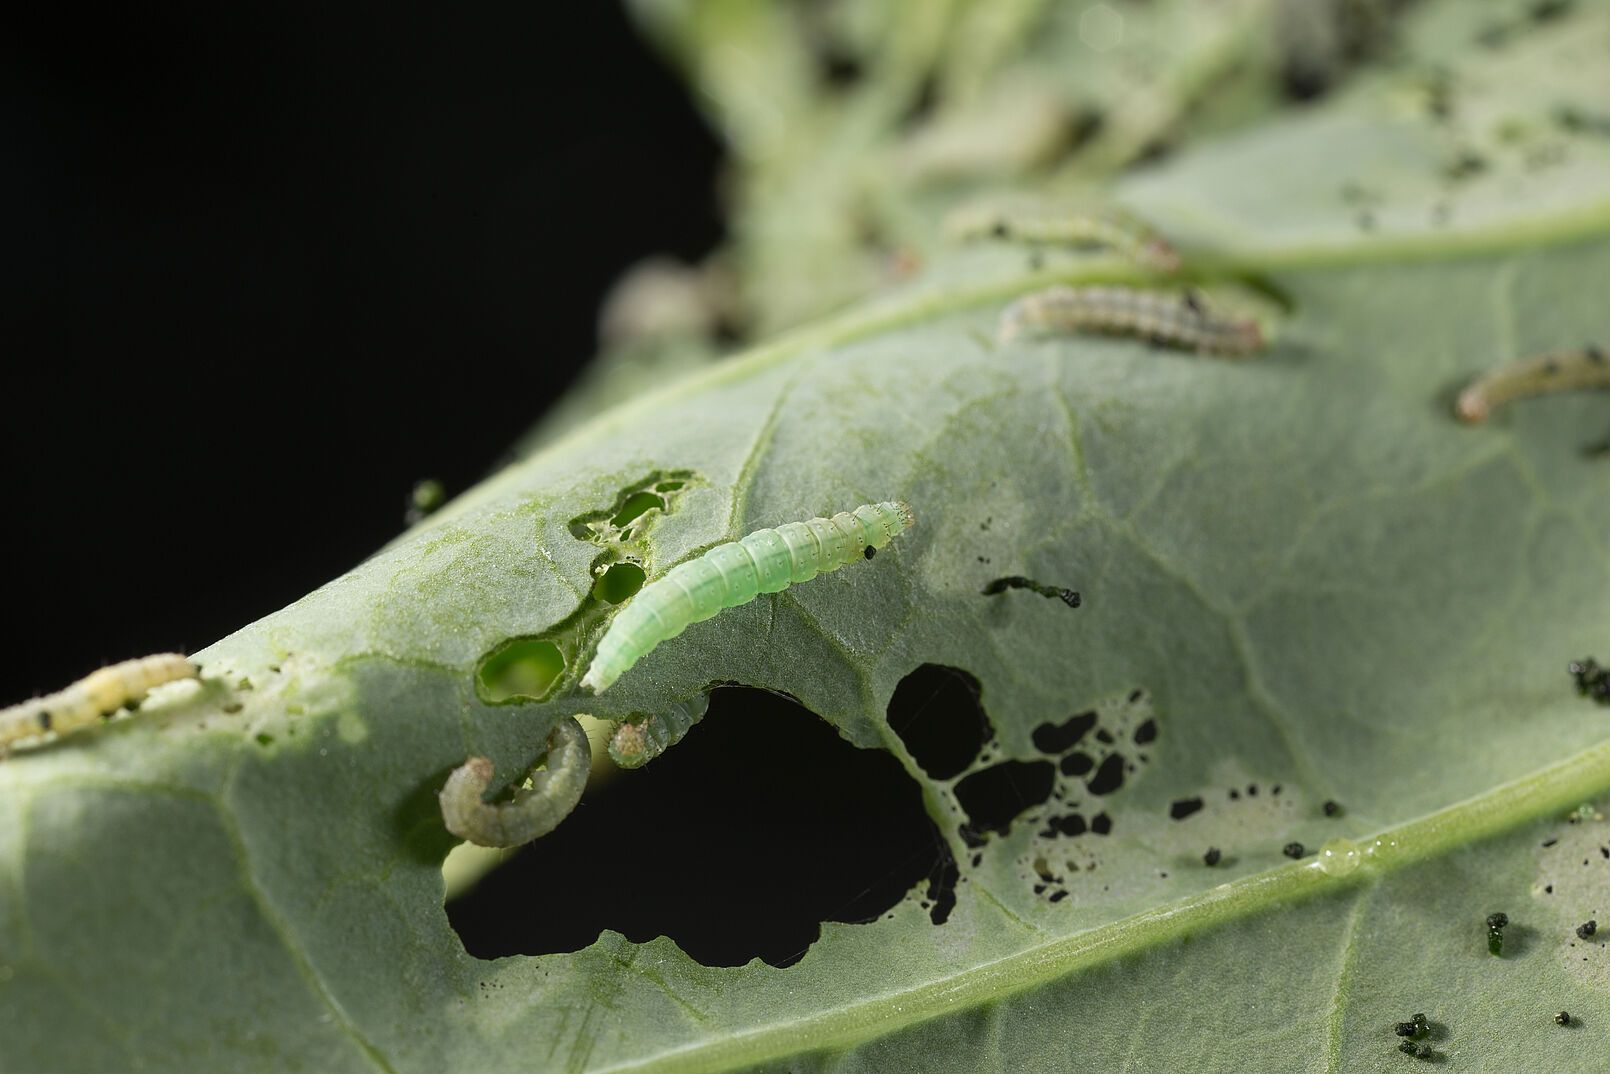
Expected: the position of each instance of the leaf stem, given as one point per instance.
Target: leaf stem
(1552, 790)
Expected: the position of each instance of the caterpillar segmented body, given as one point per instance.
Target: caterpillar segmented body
(1555, 371)
(533, 811)
(1152, 315)
(766, 561)
(639, 740)
(98, 694)
(1107, 226)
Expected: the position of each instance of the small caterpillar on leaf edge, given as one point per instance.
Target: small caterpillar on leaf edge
(98, 694)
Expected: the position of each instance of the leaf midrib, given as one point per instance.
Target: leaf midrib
(1576, 225)
(1552, 790)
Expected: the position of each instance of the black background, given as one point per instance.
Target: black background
(264, 269)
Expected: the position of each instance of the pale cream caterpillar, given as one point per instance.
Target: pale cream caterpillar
(96, 695)
(1555, 371)
(1107, 226)
(1152, 315)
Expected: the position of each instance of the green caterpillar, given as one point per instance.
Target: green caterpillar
(639, 740)
(766, 561)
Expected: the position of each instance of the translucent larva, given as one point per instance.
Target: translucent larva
(1106, 226)
(98, 694)
(1160, 317)
(1339, 857)
(533, 811)
(640, 739)
(1556, 371)
(766, 561)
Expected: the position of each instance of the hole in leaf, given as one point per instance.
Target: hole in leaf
(619, 582)
(736, 843)
(1057, 738)
(937, 714)
(1184, 807)
(1069, 824)
(994, 797)
(1077, 764)
(523, 667)
(636, 504)
(609, 526)
(1109, 776)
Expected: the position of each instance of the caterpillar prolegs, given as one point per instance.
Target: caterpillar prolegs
(766, 561)
(533, 811)
(98, 694)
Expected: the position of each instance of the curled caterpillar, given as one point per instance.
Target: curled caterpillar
(1109, 226)
(640, 739)
(734, 573)
(534, 811)
(1161, 318)
(1556, 371)
(98, 694)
